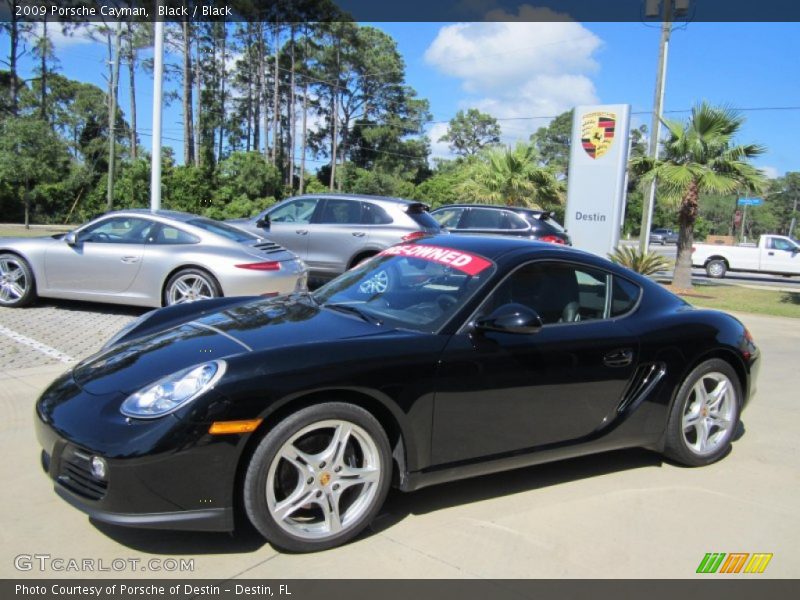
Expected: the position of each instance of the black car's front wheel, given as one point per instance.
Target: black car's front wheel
(705, 414)
(318, 478)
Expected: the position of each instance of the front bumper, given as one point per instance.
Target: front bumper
(167, 474)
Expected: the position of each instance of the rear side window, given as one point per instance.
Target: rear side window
(340, 212)
(513, 221)
(372, 214)
(483, 218)
(448, 217)
(167, 235)
(624, 296)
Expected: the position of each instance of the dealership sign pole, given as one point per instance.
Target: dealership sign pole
(598, 162)
(158, 77)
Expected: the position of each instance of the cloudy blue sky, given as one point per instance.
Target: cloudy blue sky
(523, 73)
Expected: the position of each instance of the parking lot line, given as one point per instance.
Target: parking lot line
(38, 346)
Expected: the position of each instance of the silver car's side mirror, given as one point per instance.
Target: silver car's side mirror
(71, 238)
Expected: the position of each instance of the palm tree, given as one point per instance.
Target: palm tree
(514, 178)
(700, 157)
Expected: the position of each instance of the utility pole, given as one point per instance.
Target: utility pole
(158, 78)
(652, 8)
(112, 116)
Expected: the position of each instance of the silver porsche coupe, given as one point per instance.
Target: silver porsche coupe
(146, 258)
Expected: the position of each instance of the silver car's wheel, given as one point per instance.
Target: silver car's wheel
(319, 477)
(705, 414)
(16, 281)
(377, 284)
(189, 286)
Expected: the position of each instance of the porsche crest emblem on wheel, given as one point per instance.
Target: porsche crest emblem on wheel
(597, 132)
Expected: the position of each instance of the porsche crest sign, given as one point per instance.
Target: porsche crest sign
(598, 158)
(597, 132)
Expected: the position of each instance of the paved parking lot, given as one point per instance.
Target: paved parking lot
(624, 514)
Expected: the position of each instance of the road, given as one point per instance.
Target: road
(622, 514)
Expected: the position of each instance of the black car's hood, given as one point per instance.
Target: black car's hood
(254, 326)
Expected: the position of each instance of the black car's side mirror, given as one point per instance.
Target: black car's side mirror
(71, 238)
(263, 222)
(511, 318)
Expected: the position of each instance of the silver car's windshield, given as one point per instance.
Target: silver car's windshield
(411, 286)
(226, 231)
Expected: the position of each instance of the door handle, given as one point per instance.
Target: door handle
(359, 233)
(771, 253)
(618, 358)
(130, 259)
(301, 231)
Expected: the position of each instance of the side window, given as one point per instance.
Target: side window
(295, 211)
(558, 292)
(168, 235)
(624, 296)
(340, 212)
(483, 218)
(779, 244)
(118, 230)
(448, 217)
(372, 214)
(513, 221)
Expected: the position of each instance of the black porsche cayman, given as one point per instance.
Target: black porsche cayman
(438, 359)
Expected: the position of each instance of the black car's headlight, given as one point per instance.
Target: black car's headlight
(170, 393)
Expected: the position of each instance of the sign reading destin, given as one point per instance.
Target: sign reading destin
(596, 185)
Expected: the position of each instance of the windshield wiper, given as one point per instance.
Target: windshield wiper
(349, 308)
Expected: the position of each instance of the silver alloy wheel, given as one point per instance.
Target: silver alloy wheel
(333, 488)
(377, 284)
(13, 281)
(188, 288)
(716, 269)
(708, 416)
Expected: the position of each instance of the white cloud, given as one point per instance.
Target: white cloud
(79, 36)
(438, 149)
(520, 65)
(769, 172)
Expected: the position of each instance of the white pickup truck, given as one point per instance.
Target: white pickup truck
(775, 254)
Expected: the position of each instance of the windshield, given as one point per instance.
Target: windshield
(410, 286)
(226, 231)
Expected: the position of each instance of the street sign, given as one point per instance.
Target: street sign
(750, 201)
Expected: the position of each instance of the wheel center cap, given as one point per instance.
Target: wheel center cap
(704, 412)
(325, 479)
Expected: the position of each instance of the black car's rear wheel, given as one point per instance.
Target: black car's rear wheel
(705, 414)
(17, 285)
(318, 478)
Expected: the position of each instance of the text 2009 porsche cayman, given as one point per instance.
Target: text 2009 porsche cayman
(436, 360)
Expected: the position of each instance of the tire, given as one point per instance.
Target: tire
(17, 283)
(298, 488)
(188, 285)
(706, 408)
(716, 268)
(360, 259)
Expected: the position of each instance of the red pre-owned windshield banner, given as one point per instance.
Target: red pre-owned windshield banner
(471, 264)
